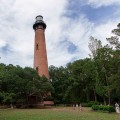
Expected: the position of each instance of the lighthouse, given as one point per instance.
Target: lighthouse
(40, 54)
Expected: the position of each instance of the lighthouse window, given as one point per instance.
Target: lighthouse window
(40, 27)
(37, 47)
(39, 18)
(37, 69)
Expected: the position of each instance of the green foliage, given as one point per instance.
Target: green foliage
(90, 104)
(95, 107)
(114, 40)
(59, 77)
(111, 109)
(17, 84)
(91, 79)
(8, 97)
(103, 108)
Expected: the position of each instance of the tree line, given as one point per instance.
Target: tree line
(18, 84)
(96, 78)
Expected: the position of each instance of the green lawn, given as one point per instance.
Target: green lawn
(56, 114)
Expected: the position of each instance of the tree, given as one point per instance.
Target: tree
(114, 40)
(103, 62)
(17, 84)
(94, 45)
(59, 77)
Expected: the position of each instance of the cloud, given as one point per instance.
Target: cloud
(66, 37)
(99, 3)
(17, 18)
(2, 43)
(103, 30)
(77, 32)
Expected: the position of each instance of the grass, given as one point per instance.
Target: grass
(56, 114)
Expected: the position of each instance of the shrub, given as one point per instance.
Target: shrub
(95, 107)
(103, 108)
(89, 104)
(106, 108)
(111, 109)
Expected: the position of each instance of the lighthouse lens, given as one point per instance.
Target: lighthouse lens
(39, 18)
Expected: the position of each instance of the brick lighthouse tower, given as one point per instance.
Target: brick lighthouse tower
(40, 54)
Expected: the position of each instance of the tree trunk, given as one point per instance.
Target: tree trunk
(87, 95)
(104, 100)
(109, 98)
(95, 96)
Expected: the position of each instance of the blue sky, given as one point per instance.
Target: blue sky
(70, 23)
(96, 15)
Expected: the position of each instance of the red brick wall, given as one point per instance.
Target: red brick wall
(40, 54)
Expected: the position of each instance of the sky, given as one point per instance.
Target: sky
(70, 23)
